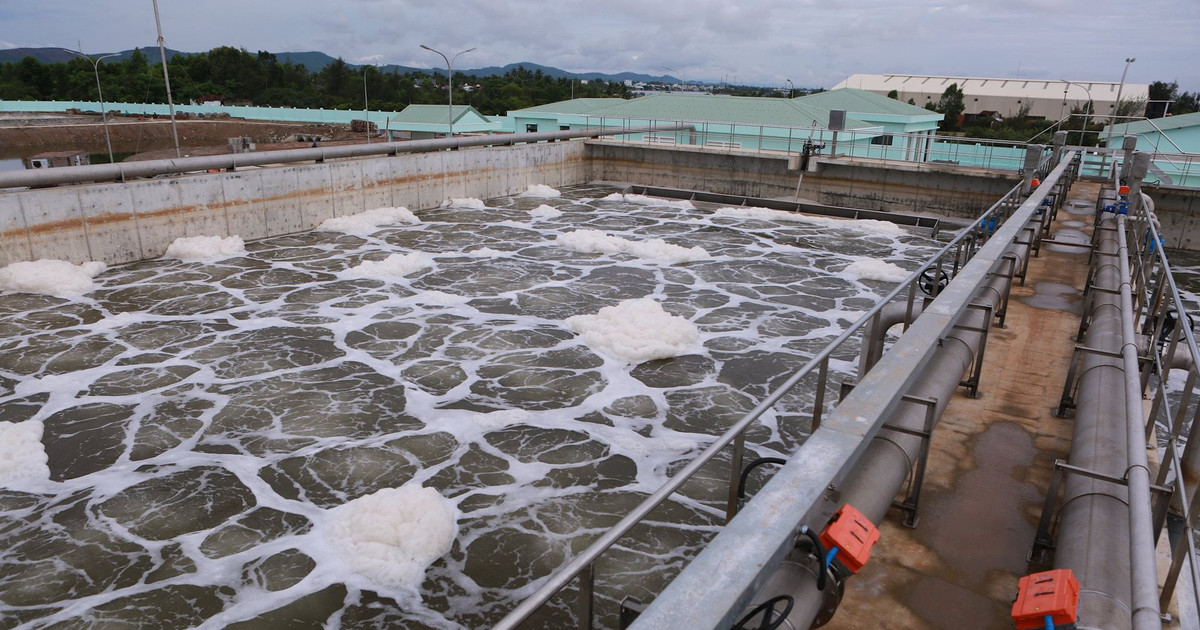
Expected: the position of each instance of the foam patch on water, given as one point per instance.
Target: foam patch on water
(464, 202)
(868, 269)
(485, 252)
(205, 248)
(644, 200)
(541, 190)
(439, 298)
(50, 277)
(391, 536)
(636, 331)
(22, 455)
(369, 221)
(597, 242)
(545, 212)
(865, 225)
(394, 266)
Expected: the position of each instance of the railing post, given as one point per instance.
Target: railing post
(587, 581)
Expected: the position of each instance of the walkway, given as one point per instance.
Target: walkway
(990, 463)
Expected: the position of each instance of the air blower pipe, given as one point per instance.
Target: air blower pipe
(888, 460)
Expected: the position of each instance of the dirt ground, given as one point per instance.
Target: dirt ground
(149, 139)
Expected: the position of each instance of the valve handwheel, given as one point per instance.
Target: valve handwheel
(768, 610)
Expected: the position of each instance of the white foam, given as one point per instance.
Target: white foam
(644, 200)
(485, 252)
(545, 212)
(540, 190)
(465, 202)
(391, 537)
(50, 277)
(439, 298)
(868, 269)
(22, 455)
(865, 225)
(394, 266)
(369, 221)
(636, 331)
(205, 248)
(597, 242)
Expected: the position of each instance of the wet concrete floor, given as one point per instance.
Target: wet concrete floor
(990, 464)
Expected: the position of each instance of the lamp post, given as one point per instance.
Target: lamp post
(1087, 110)
(1117, 106)
(162, 51)
(449, 82)
(681, 81)
(366, 106)
(100, 93)
(791, 87)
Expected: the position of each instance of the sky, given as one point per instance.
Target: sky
(812, 43)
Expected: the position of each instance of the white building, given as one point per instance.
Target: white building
(1051, 99)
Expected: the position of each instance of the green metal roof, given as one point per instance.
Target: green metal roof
(703, 107)
(1148, 126)
(856, 101)
(436, 115)
(573, 106)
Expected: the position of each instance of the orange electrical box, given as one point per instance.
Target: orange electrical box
(1123, 190)
(1049, 593)
(1035, 183)
(853, 534)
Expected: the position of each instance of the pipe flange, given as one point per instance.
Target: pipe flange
(831, 598)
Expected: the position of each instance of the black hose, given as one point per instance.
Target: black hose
(751, 466)
(816, 541)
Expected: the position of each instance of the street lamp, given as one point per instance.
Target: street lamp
(366, 106)
(103, 115)
(791, 87)
(449, 82)
(1088, 107)
(682, 81)
(1117, 106)
(162, 52)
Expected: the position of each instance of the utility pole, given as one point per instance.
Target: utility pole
(162, 51)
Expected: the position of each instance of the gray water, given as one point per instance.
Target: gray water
(200, 418)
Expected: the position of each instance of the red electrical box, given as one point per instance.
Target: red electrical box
(1053, 593)
(853, 534)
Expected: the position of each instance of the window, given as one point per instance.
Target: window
(885, 139)
(564, 127)
(531, 128)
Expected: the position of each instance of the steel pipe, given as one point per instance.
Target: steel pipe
(151, 168)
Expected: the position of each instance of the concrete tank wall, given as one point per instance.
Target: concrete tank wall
(1178, 211)
(942, 190)
(125, 222)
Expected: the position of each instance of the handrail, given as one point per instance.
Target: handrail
(123, 170)
(951, 259)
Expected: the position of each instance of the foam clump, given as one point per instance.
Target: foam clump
(50, 277)
(864, 225)
(391, 537)
(394, 266)
(22, 455)
(204, 248)
(540, 190)
(636, 331)
(545, 212)
(644, 200)
(465, 202)
(867, 269)
(369, 221)
(485, 252)
(597, 242)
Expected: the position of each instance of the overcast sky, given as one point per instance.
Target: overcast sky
(815, 43)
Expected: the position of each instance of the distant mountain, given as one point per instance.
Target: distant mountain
(314, 61)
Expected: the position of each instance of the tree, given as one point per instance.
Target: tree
(951, 104)
(894, 95)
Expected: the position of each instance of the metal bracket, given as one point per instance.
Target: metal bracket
(1067, 401)
(912, 497)
(972, 380)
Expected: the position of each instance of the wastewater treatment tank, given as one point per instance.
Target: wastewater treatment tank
(399, 419)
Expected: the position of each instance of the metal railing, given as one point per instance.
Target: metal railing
(927, 280)
(869, 143)
(1170, 344)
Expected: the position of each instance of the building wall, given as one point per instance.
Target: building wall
(910, 188)
(124, 222)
